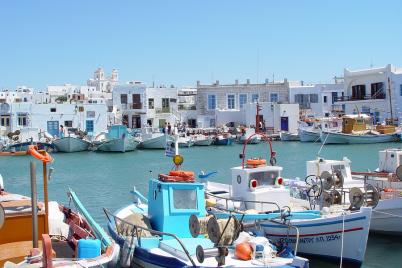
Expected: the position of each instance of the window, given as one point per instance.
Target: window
(68, 123)
(358, 92)
(314, 98)
(400, 89)
(89, 126)
(52, 110)
(22, 120)
(334, 96)
(211, 102)
(184, 199)
(242, 100)
(165, 103)
(231, 101)
(90, 114)
(325, 99)
(137, 101)
(274, 97)
(5, 121)
(123, 98)
(150, 103)
(254, 98)
(212, 122)
(377, 91)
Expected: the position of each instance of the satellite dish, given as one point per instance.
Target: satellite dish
(2, 216)
(327, 180)
(356, 198)
(372, 196)
(398, 172)
(336, 197)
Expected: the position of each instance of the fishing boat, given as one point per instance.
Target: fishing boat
(19, 140)
(223, 139)
(51, 235)
(184, 140)
(202, 140)
(337, 234)
(72, 143)
(153, 139)
(382, 187)
(118, 139)
(246, 134)
(161, 230)
(310, 128)
(288, 136)
(357, 129)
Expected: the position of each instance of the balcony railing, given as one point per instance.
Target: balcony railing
(353, 98)
(164, 110)
(190, 107)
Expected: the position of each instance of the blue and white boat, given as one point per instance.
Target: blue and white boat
(223, 139)
(338, 234)
(368, 137)
(161, 230)
(118, 139)
(154, 139)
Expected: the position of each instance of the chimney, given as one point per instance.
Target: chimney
(217, 82)
(248, 81)
(266, 81)
(236, 82)
(302, 82)
(198, 83)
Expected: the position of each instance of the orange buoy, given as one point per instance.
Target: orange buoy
(256, 162)
(181, 173)
(244, 251)
(42, 156)
(170, 178)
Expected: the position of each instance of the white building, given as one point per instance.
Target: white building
(48, 117)
(375, 91)
(101, 82)
(24, 94)
(186, 107)
(137, 105)
(216, 98)
(316, 100)
(275, 116)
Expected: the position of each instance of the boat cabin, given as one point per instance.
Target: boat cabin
(170, 205)
(260, 183)
(351, 123)
(389, 160)
(117, 132)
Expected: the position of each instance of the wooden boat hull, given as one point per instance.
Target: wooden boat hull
(342, 138)
(71, 144)
(18, 153)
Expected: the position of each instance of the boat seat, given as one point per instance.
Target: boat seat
(138, 220)
(173, 247)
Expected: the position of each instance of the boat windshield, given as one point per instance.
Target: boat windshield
(184, 199)
(339, 169)
(265, 178)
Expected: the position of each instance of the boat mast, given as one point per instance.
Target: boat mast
(390, 101)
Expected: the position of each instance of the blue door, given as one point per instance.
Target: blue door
(89, 126)
(285, 123)
(53, 128)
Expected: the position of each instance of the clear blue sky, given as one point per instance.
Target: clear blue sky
(55, 42)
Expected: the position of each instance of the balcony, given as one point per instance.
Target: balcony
(360, 98)
(188, 107)
(137, 106)
(164, 110)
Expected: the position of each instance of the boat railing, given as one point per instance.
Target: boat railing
(135, 230)
(230, 199)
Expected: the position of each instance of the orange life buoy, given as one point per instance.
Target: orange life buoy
(170, 178)
(181, 173)
(256, 162)
(42, 156)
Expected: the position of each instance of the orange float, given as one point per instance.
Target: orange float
(181, 173)
(256, 162)
(244, 251)
(40, 155)
(170, 178)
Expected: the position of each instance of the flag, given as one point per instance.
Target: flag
(170, 149)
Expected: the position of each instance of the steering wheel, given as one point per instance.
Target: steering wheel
(314, 184)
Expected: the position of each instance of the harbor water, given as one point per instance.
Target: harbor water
(105, 179)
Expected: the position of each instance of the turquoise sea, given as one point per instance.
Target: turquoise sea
(105, 179)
